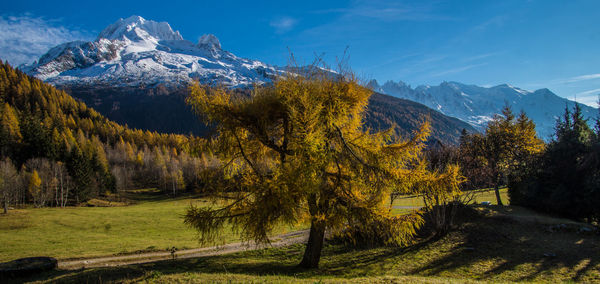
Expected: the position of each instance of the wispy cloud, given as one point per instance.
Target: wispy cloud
(565, 81)
(590, 97)
(387, 11)
(393, 60)
(590, 92)
(25, 38)
(497, 21)
(582, 89)
(283, 24)
(581, 78)
(481, 56)
(362, 21)
(432, 59)
(457, 70)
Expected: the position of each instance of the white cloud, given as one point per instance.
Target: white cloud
(590, 92)
(582, 78)
(24, 38)
(589, 97)
(283, 24)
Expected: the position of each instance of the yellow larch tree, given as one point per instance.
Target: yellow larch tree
(297, 150)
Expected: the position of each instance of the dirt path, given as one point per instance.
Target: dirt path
(277, 241)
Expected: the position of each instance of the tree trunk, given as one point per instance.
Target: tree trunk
(5, 205)
(66, 196)
(312, 254)
(497, 190)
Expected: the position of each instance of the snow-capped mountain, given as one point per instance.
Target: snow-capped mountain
(135, 51)
(135, 72)
(477, 105)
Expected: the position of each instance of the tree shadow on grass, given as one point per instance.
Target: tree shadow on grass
(519, 252)
(262, 262)
(338, 260)
(487, 249)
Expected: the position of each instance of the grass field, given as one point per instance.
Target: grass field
(154, 223)
(490, 246)
(408, 203)
(498, 244)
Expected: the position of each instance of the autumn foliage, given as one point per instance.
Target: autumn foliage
(298, 151)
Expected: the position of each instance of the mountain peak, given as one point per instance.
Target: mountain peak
(512, 88)
(393, 83)
(134, 19)
(136, 28)
(210, 41)
(373, 84)
(546, 90)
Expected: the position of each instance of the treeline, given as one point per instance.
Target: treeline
(164, 168)
(487, 159)
(77, 154)
(561, 177)
(565, 178)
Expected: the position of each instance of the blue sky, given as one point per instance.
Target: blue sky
(530, 44)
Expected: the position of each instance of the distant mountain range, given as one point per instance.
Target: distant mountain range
(164, 110)
(136, 71)
(477, 105)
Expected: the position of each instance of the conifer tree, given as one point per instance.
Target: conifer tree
(507, 140)
(10, 132)
(565, 179)
(80, 169)
(297, 150)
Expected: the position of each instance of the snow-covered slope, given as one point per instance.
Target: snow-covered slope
(135, 51)
(477, 105)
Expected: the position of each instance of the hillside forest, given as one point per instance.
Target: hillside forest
(56, 151)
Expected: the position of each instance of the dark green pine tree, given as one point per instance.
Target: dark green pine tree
(36, 141)
(81, 170)
(581, 129)
(563, 124)
(566, 178)
(103, 175)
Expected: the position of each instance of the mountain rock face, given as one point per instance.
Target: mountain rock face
(477, 105)
(135, 51)
(136, 73)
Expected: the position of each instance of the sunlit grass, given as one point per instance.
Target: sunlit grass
(404, 204)
(484, 248)
(491, 247)
(154, 223)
